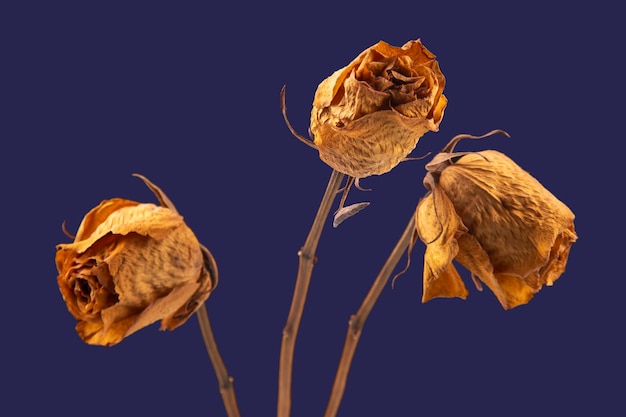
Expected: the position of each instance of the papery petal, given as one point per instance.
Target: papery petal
(515, 219)
(510, 291)
(438, 226)
(99, 214)
(147, 268)
(371, 145)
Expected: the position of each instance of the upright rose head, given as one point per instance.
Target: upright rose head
(130, 265)
(496, 220)
(369, 115)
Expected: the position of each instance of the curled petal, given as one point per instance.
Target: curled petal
(439, 227)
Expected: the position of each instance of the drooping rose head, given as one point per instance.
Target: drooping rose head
(130, 265)
(369, 115)
(495, 219)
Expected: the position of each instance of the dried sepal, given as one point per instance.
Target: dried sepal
(348, 211)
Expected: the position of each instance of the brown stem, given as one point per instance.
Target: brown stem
(357, 320)
(303, 279)
(224, 380)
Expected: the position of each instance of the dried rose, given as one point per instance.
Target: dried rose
(130, 265)
(496, 220)
(369, 115)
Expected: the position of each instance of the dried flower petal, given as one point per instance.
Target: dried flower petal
(369, 115)
(131, 264)
(497, 221)
(440, 226)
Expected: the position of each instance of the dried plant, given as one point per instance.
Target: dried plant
(132, 264)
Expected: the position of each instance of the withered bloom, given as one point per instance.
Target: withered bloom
(495, 219)
(130, 265)
(369, 115)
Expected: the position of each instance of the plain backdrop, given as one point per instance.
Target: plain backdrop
(187, 94)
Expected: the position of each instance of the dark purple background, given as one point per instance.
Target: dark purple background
(188, 95)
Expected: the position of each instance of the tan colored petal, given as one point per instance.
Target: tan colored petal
(515, 219)
(99, 214)
(372, 145)
(145, 268)
(510, 290)
(438, 227)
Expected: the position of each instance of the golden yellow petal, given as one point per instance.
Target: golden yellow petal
(110, 328)
(515, 289)
(447, 284)
(438, 110)
(128, 217)
(474, 258)
(438, 226)
(164, 308)
(99, 214)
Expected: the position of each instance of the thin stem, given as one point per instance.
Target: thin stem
(225, 381)
(357, 320)
(303, 279)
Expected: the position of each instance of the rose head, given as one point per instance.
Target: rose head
(132, 264)
(369, 115)
(496, 220)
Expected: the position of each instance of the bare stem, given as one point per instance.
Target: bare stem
(357, 320)
(225, 381)
(303, 279)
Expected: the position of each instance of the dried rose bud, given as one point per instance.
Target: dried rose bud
(369, 115)
(496, 220)
(130, 265)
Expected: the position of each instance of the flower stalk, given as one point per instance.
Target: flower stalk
(357, 321)
(225, 381)
(303, 279)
